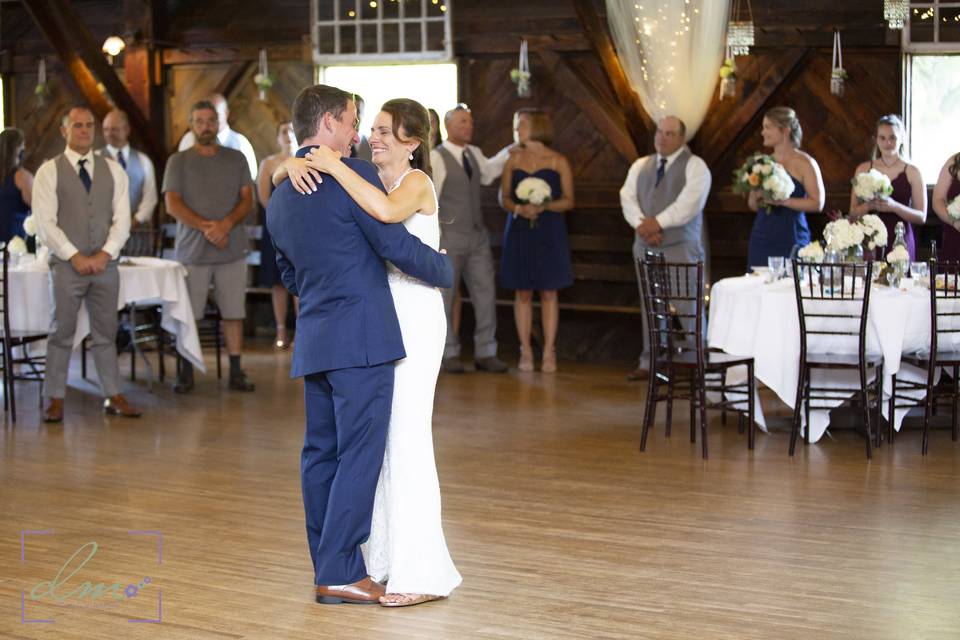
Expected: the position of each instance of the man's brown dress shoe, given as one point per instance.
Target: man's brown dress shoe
(54, 410)
(365, 591)
(118, 406)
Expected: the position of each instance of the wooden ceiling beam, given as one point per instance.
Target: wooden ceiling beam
(748, 114)
(214, 55)
(64, 29)
(639, 123)
(584, 96)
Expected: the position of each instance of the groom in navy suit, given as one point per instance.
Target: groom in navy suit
(331, 254)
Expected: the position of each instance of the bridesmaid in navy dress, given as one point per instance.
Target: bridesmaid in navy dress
(946, 189)
(780, 227)
(16, 186)
(536, 254)
(908, 203)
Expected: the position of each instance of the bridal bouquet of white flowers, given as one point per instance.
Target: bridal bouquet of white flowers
(30, 225)
(813, 252)
(535, 191)
(841, 234)
(870, 185)
(762, 173)
(874, 230)
(953, 208)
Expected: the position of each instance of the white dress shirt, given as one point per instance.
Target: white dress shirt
(148, 200)
(490, 168)
(45, 206)
(688, 204)
(230, 139)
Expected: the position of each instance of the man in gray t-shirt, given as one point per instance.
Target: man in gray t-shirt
(207, 188)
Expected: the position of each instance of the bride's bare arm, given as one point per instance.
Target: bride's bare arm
(414, 194)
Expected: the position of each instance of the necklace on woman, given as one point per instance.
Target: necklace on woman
(888, 165)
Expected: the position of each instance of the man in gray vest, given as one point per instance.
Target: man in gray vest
(459, 169)
(663, 199)
(83, 215)
(139, 167)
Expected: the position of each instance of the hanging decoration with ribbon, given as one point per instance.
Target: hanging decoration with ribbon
(41, 90)
(728, 75)
(263, 80)
(837, 74)
(521, 75)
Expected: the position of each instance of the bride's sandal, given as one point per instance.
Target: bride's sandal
(406, 599)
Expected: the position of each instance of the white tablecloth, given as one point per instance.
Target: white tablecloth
(142, 280)
(749, 317)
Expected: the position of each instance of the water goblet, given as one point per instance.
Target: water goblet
(775, 263)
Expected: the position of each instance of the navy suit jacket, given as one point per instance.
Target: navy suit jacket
(331, 254)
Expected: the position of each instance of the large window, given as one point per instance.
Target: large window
(380, 30)
(931, 44)
(432, 85)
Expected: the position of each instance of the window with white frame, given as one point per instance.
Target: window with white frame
(931, 45)
(362, 31)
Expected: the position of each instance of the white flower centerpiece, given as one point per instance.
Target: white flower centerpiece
(870, 185)
(762, 173)
(16, 247)
(813, 252)
(535, 191)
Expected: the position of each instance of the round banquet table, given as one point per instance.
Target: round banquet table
(143, 280)
(751, 317)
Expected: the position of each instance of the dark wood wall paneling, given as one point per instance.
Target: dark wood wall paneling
(790, 65)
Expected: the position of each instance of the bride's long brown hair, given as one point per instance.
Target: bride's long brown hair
(412, 117)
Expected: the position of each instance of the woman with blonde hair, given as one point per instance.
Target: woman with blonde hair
(536, 254)
(908, 202)
(781, 226)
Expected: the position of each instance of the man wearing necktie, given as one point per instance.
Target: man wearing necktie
(83, 215)
(139, 167)
(459, 170)
(663, 199)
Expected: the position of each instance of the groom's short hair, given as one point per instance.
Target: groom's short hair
(310, 105)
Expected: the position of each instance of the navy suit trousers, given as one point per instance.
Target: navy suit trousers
(348, 412)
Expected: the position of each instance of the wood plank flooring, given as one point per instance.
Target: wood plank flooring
(560, 527)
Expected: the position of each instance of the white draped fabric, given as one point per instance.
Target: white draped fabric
(671, 52)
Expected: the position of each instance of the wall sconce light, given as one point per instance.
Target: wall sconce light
(112, 46)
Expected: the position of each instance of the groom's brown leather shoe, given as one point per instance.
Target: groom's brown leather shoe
(365, 591)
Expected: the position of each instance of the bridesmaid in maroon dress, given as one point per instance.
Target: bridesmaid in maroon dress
(908, 203)
(948, 188)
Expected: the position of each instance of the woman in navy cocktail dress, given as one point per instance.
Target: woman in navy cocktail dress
(536, 254)
(780, 227)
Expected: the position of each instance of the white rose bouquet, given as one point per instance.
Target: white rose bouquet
(535, 191)
(871, 185)
(762, 173)
(874, 230)
(953, 208)
(813, 252)
(30, 225)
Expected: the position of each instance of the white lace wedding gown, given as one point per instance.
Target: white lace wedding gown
(406, 545)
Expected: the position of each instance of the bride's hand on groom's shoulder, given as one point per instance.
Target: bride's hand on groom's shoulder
(303, 177)
(323, 159)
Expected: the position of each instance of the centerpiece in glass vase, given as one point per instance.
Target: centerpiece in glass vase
(899, 257)
(535, 191)
(762, 173)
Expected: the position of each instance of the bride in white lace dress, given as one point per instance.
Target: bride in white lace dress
(406, 545)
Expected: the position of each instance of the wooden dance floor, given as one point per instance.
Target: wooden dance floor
(560, 527)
